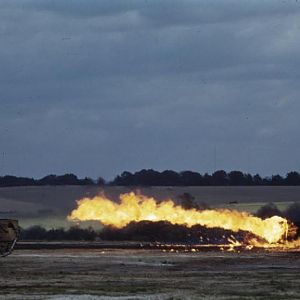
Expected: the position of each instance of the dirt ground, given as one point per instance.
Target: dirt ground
(146, 274)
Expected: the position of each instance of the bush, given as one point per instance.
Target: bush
(73, 233)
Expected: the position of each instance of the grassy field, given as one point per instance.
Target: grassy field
(49, 205)
(152, 275)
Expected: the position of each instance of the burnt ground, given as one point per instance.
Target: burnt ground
(149, 274)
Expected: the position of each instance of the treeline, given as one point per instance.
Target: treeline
(156, 231)
(189, 178)
(67, 179)
(166, 178)
(72, 234)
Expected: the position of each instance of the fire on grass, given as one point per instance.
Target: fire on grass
(272, 232)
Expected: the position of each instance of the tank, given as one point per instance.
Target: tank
(9, 234)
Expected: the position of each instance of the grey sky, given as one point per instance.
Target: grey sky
(98, 87)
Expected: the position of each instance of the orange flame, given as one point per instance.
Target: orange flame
(136, 207)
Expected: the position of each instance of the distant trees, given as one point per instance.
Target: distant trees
(73, 233)
(236, 178)
(188, 178)
(220, 178)
(100, 181)
(257, 180)
(277, 180)
(150, 177)
(16, 181)
(292, 178)
(66, 179)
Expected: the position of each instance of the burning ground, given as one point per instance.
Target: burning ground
(137, 214)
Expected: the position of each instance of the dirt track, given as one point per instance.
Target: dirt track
(145, 274)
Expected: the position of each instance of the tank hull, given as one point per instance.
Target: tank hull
(9, 233)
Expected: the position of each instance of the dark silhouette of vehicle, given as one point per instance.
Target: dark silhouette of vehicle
(9, 233)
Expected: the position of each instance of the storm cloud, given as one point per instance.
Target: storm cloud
(98, 87)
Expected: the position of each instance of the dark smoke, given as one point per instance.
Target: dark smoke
(292, 213)
(269, 210)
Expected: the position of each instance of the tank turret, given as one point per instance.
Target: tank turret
(9, 233)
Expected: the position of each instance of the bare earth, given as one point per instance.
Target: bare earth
(144, 274)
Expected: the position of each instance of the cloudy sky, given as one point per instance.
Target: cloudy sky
(99, 87)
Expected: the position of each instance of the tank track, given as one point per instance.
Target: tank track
(9, 234)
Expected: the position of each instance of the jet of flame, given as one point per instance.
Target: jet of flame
(136, 207)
